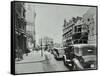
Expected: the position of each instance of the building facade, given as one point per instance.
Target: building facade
(30, 24)
(20, 26)
(67, 31)
(80, 32)
(75, 31)
(90, 20)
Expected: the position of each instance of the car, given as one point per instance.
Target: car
(58, 53)
(67, 57)
(88, 53)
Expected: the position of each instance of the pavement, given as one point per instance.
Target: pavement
(32, 57)
(34, 63)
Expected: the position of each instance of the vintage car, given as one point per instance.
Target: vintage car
(68, 56)
(58, 53)
(88, 52)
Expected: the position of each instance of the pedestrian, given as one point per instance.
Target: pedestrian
(16, 53)
(46, 54)
(50, 58)
(21, 54)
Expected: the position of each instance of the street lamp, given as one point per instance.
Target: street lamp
(41, 48)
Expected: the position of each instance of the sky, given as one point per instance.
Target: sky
(50, 19)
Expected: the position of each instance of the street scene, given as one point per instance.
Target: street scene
(54, 38)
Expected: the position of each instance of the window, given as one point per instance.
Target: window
(79, 29)
(75, 29)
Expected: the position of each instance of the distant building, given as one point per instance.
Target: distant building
(90, 20)
(46, 42)
(30, 23)
(57, 45)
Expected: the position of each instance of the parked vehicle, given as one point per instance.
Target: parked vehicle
(68, 56)
(85, 53)
(58, 53)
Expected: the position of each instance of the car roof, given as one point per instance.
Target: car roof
(84, 45)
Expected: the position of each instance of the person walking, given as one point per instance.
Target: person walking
(18, 53)
(21, 54)
(50, 60)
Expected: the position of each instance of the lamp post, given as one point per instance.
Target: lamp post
(41, 48)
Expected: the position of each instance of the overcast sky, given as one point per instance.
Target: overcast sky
(50, 19)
